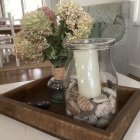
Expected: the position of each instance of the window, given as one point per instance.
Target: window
(18, 8)
(30, 5)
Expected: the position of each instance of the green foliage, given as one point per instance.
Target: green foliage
(55, 50)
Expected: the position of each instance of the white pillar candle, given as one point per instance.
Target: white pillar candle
(87, 70)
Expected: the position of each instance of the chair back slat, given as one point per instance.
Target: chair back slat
(5, 27)
(3, 19)
(6, 38)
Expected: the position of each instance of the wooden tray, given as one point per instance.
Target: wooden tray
(55, 122)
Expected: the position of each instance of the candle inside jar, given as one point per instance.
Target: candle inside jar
(87, 71)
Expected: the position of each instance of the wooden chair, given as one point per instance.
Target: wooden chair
(6, 40)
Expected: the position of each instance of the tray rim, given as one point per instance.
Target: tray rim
(50, 114)
(107, 133)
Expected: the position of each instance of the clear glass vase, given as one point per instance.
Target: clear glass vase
(56, 85)
(90, 81)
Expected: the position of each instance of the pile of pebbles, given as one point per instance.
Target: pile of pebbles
(96, 111)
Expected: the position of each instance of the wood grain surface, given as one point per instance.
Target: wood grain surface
(24, 75)
(54, 120)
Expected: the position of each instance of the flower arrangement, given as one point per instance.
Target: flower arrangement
(42, 34)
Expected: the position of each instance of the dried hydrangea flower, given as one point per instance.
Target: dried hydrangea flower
(42, 35)
(27, 51)
(49, 13)
(36, 26)
(77, 20)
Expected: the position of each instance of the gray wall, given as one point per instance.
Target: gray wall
(129, 62)
(134, 51)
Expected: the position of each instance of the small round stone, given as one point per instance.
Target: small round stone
(102, 123)
(88, 118)
(91, 119)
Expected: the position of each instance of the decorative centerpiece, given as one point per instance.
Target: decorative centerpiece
(90, 81)
(43, 33)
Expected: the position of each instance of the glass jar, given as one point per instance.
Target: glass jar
(90, 81)
(56, 85)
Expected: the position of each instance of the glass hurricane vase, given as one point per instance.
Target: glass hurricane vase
(90, 81)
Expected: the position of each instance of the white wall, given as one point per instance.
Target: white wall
(92, 2)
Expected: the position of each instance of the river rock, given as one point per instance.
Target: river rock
(102, 123)
(88, 118)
